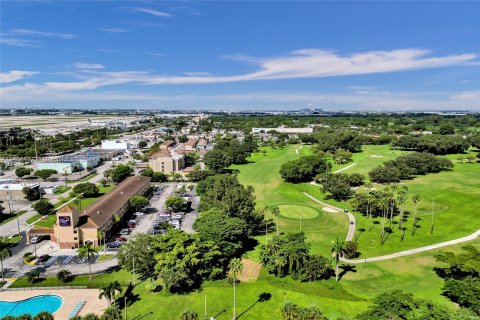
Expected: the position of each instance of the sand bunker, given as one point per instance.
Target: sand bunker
(376, 156)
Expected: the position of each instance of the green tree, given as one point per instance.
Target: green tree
(32, 276)
(45, 173)
(188, 314)
(139, 202)
(64, 276)
(290, 311)
(88, 252)
(31, 194)
(229, 233)
(88, 189)
(22, 172)
(337, 248)
(109, 291)
(4, 253)
(175, 204)
(43, 316)
(141, 248)
(235, 267)
(276, 211)
(112, 313)
(121, 172)
(142, 144)
(43, 206)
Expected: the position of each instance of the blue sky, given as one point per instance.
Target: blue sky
(240, 55)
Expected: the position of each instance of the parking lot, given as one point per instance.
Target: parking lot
(65, 260)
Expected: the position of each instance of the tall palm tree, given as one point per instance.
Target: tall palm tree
(337, 248)
(109, 291)
(87, 251)
(78, 201)
(4, 253)
(415, 199)
(235, 266)
(276, 212)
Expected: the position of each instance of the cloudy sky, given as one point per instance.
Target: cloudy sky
(240, 55)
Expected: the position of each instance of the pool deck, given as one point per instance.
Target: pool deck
(70, 299)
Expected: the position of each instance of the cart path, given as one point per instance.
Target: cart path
(351, 227)
(351, 234)
(297, 151)
(347, 167)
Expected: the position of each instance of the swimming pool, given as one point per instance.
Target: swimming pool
(31, 306)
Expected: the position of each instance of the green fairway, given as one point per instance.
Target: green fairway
(262, 172)
(297, 212)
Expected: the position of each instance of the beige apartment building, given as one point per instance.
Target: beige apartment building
(73, 228)
(167, 162)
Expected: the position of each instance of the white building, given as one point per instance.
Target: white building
(282, 130)
(119, 144)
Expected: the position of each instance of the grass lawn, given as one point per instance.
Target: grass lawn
(85, 202)
(456, 194)
(62, 189)
(262, 173)
(121, 275)
(6, 217)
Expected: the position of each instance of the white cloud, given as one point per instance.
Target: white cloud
(152, 12)
(66, 36)
(15, 75)
(18, 42)
(197, 73)
(108, 51)
(308, 63)
(114, 30)
(80, 65)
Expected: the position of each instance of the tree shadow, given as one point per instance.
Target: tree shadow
(416, 226)
(262, 297)
(360, 231)
(143, 316)
(373, 224)
(346, 269)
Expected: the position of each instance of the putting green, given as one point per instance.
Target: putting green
(296, 211)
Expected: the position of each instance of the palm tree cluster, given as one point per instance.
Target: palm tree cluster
(110, 291)
(291, 311)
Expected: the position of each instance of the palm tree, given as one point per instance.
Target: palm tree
(276, 212)
(188, 314)
(100, 236)
(64, 275)
(338, 251)
(109, 291)
(235, 266)
(4, 253)
(87, 251)
(32, 276)
(416, 199)
(78, 201)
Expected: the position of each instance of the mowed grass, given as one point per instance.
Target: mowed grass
(454, 196)
(331, 298)
(262, 172)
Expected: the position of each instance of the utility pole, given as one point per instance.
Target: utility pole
(205, 307)
(134, 270)
(433, 204)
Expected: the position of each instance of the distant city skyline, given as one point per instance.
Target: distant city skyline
(240, 55)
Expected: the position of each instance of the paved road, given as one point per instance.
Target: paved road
(351, 227)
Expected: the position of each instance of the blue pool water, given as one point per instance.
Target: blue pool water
(31, 306)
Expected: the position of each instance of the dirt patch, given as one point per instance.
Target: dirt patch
(328, 209)
(376, 156)
(251, 271)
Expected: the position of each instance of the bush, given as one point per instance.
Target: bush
(43, 207)
(88, 189)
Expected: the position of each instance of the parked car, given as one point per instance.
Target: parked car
(114, 244)
(44, 258)
(139, 214)
(37, 239)
(120, 239)
(132, 221)
(125, 231)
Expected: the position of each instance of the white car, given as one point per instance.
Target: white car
(139, 214)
